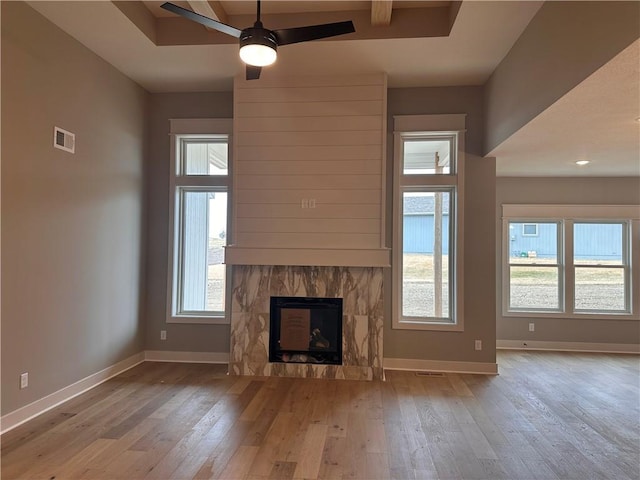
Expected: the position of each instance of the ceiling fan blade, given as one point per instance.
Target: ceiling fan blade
(201, 19)
(253, 72)
(287, 36)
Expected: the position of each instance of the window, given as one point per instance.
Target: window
(203, 156)
(426, 263)
(529, 229)
(535, 267)
(424, 156)
(427, 212)
(199, 221)
(580, 264)
(601, 264)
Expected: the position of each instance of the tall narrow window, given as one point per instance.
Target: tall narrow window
(601, 262)
(535, 268)
(200, 225)
(426, 220)
(426, 260)
(202, 232)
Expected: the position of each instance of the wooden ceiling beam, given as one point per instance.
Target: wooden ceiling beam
(381, 12)
(211, 9)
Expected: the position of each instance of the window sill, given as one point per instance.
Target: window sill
(198, 320)
(614, 316)
(431, 326)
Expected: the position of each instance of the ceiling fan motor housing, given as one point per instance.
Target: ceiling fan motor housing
(258, 36)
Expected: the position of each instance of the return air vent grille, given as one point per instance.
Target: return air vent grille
(429, 374)
(64, 140)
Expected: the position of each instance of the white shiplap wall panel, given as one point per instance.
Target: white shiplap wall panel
(314, 81)
(312, 94)
(309, 225)
(307, 109)
(312, 139)
(292, 210)
(310, 124)
(245, 196)
(296, 167)
(325, 181)
(319, 140)
(316, 153)
(309, 240)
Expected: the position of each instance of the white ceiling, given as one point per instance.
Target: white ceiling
(466, 57)
(575, 127)
(596, 121)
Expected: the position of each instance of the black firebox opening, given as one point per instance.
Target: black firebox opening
(305, 330)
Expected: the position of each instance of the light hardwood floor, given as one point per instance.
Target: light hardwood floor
(546, 416)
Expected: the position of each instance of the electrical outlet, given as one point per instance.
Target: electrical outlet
(163, 334)
(532, 327)
(304, 203)
(24, 380)
(478, 344)
(312, 203)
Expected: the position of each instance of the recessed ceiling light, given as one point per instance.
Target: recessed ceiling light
(582, 162)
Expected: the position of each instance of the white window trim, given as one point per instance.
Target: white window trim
(203, 127)
(559, 265)
(568, 214)
(423, 125)
(626, 268)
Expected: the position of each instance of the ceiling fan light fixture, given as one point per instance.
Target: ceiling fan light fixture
(258, 47)
(257, 55)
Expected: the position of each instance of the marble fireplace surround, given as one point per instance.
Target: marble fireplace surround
(362, 321)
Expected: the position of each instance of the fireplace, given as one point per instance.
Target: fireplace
(305, 330)
(358, 288)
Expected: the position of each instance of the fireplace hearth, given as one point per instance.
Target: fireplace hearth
(305, 330)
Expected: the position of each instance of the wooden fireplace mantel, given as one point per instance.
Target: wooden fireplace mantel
(327, 257)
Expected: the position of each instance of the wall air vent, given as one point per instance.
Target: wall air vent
(64, 140)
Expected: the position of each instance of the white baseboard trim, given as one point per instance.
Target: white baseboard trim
(568, 346)
(23, 414)
(185, 357)
(440, 366)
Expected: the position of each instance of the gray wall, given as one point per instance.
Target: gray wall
(479, 254)
(570, 191)
(562, 45)
(72, 231)
(180, 337)
(480, 242)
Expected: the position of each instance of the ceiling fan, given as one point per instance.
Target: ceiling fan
(258, 45)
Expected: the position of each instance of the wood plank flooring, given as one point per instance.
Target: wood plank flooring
(546, 416)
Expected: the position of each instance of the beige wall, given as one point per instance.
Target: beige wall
(569, 191)
(479, 237)
(180, 337)
(563, 44)
(71, 224)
